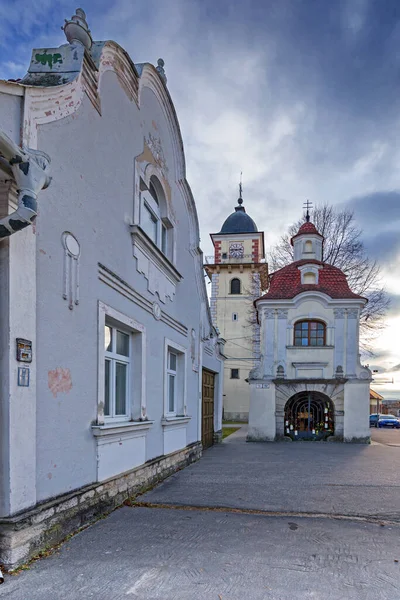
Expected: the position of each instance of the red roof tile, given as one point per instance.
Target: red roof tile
(307, 227)
(286, 283)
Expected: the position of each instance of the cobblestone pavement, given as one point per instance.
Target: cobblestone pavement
(209, 553)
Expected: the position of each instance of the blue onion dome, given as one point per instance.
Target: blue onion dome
(239, 221)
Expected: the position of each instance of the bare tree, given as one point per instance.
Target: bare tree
(343, 248)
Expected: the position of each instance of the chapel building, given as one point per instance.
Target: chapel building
(238, 274)
(310, 383)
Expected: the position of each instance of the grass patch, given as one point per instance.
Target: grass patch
(228, 431)
(225, 422)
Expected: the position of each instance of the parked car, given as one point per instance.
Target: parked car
(389, 421)
(374, 418)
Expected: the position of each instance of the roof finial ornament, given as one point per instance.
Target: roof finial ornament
(77, 31)
(240, 199)
(160, 69)
(307, 205)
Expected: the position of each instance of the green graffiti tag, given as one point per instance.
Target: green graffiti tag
(49, 59)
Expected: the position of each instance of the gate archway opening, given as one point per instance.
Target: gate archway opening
(309, 415)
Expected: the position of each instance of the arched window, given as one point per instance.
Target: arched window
(153, 217)
(308, 246)
(309, 333)
(235, 286)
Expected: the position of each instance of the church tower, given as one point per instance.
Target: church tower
(238, 274)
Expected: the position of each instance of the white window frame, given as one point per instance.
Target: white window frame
(235, 317)
(136, 376)
(113, 358)
(180, 378)
(164, 234)
(148, 203)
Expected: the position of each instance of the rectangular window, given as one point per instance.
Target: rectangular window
(175, 379)
(234, 373)
(116, 373)
(171, 374)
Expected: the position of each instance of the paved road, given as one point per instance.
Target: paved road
(159, 554)
(324, 478)
(389, 437)
(219, 554)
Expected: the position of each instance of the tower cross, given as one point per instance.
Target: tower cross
(307, 205)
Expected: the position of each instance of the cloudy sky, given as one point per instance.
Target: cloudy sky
(302, 96)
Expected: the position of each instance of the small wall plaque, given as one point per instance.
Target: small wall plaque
(24, 350)
(23, 376)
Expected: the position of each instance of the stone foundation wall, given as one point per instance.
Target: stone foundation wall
(24, 535)
(217, 437)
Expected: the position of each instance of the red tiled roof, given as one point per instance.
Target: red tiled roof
(286, 283)
(307, 227)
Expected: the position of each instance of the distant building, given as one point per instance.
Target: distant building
(310, 383)
(375, 402)
(391, 407)
(238, 274)
(110, 369)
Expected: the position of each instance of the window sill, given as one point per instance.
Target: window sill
(309, 347)
(147, 246)
(121, 428)
(173, 421)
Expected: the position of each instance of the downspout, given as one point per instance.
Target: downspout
(30, 170)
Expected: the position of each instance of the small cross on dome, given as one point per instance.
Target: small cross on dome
(307, 205)
(240, 199)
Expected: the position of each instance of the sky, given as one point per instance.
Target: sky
(301, 96)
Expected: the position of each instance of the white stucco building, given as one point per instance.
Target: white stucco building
(110, 367)
(310, 382)
(238, 274)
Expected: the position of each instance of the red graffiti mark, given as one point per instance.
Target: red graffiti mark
(59, 381)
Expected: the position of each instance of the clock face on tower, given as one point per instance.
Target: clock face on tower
(236, 250)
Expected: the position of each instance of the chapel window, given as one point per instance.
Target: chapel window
(309, 278)
(308, 246)
(236, 286)
(309, 333)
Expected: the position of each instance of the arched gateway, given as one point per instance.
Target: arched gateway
(309, 415)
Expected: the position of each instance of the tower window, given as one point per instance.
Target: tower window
(234, 373)
(224, 255)
(309, 333)
(236, 286)
(235, 317)
(308, 246)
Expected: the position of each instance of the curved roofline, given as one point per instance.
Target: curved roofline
(49, 103)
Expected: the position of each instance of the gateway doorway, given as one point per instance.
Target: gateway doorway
(309, 415)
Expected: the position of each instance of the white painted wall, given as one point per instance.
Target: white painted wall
(47, 443)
